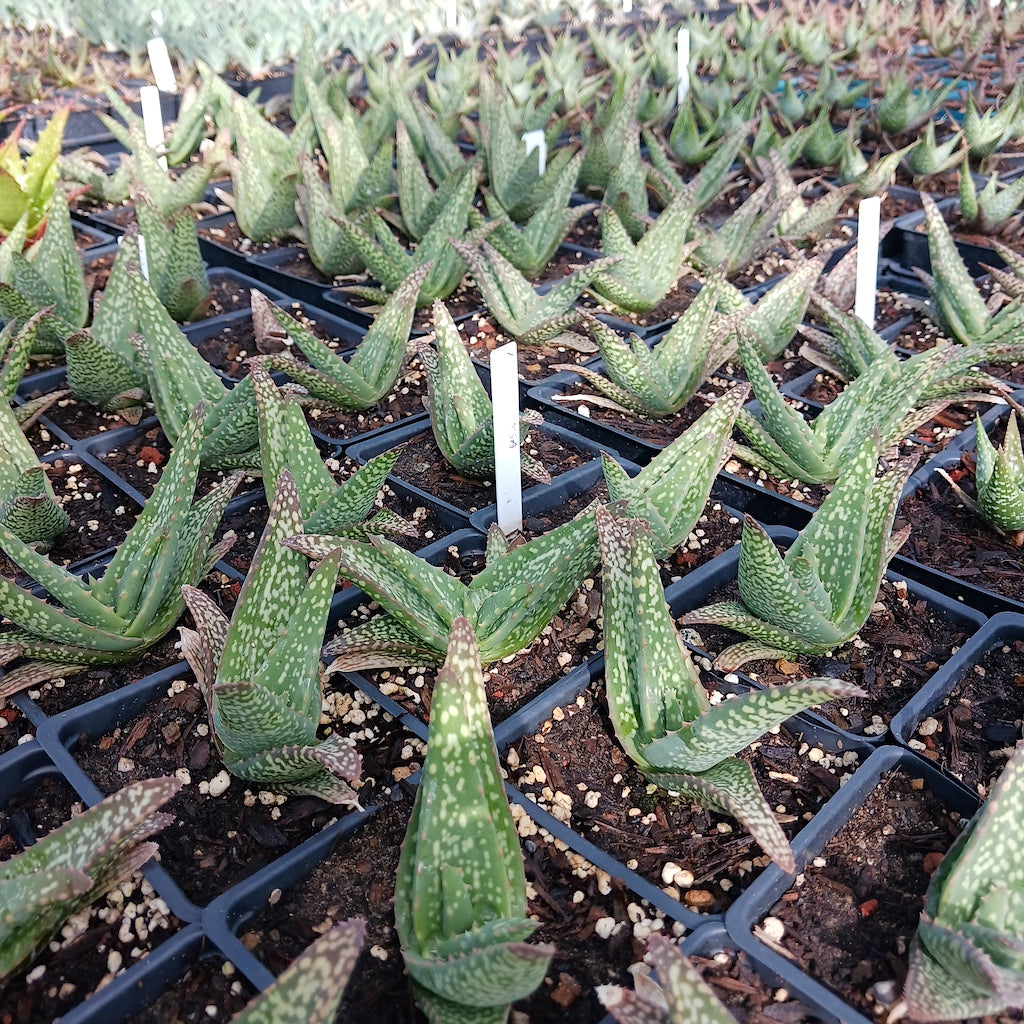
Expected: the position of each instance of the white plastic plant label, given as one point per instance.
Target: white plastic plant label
(153, 119)
(143, 257)
(868, 216)
(160, 62)
(451, 15)
(627, 6)
(535, 141)
(408, 39)
(682, 65)
(507, 468)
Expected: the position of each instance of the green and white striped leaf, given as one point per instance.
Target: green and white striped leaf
(460, 896)
(309, 991)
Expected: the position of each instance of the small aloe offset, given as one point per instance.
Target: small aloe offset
(659, 382)
(17, 341)
(1000, 480)
(259, 672)
(888, 400)
(117, 616)
(28, 506)
(530, 318)
(967, 958)
(658, 706)
(461, 416)
(670, 492)
(509, 602)
(679, 996)
(312, 987)
(75, 864)
(819, 594)
(348, 509)
(364, 379)
(647, 271)
(460, 894)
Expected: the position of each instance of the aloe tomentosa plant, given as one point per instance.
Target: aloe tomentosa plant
(259, 672)
(363, 380)
(659, 709)
(137, 599)
(75, 864)
(819, 594)
(27, 187)
(460, 895)
(461, 416)
(967, 957)
(659, 382)
(509, 602)
(348, 509)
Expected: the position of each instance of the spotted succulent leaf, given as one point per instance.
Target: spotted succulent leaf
(529, 247)
(286, 443)
(819, 594)
(460, 895)
(121, 614)
(527, 316)
(370, 373)
(967, 958)
(1000, 478)
(659, 382)
(670, 492)
(656, 702)
(260, 675)
(509, 602)
(679, 996)
(331, 251)
(309, 991)
(461, 416)
(75, 864)
(647, 271)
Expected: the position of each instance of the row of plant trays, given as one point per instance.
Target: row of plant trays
(222, 898)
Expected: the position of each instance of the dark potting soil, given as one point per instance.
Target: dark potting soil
(218, 840)
(208, 991)
(79, 420)
(849, 922)
(91, 947)
(358, 879)
(894, 654)
(422, 465)
(230, 234)
(483, 335)
(951, 538)
(749, 998)
(575, 768)
(973, 732)
(139, 461)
